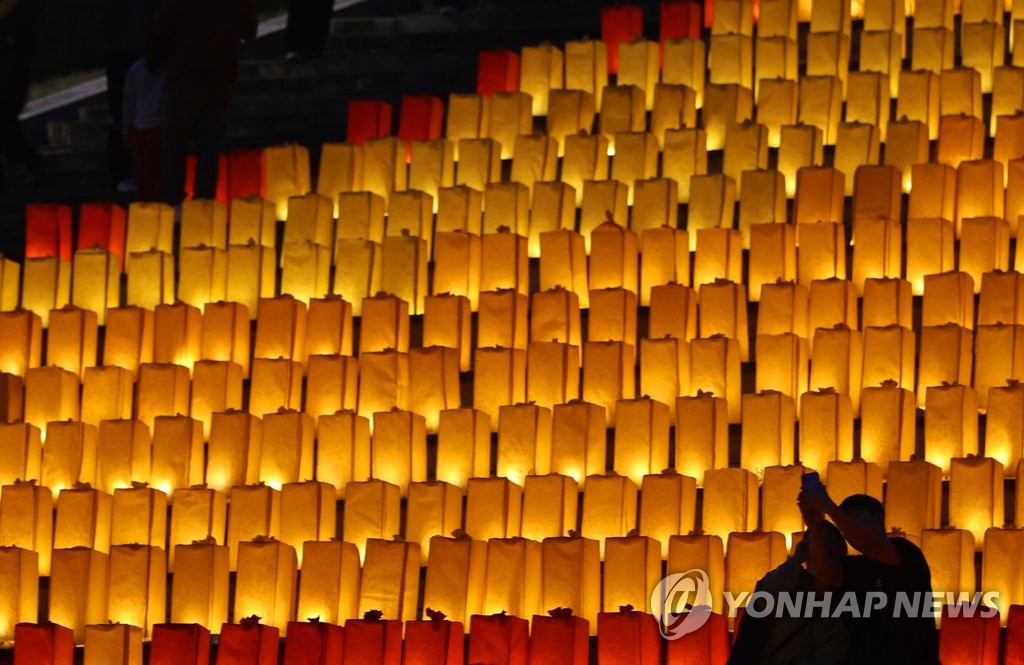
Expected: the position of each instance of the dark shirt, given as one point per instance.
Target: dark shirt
(203, 38)
(881, 638)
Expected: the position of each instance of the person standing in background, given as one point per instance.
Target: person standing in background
(143, 114)
(202, 39)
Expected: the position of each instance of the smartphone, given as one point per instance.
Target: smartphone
(810, 481)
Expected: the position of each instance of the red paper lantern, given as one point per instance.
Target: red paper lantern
(1015, 635)
(102, 225)
(620, 23)
(499, 639)
(246, 173)
(708, 645)
(679, 19)
(368, 119)
(559, 639)
(313, 642)
(179, 644)
(43, 644)
(497, 71)
(248, 643)
(628, 638)
(47, 231)
(421, 118)
(434, 642)
(373, 641)
(969, 639)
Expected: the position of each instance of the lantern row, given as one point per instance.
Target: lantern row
(604, 568)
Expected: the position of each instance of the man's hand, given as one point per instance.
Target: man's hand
(815, 500)
(811, 517)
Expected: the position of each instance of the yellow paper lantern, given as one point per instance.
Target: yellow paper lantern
(329, 584)
(705, 552)
(19, 570)
(254, 510)
(609, 507)
(287, 450)
(225, 334)
(668, 507)
(665, 370)
(216, 386)
(723, 311)
(673, 312)
(199, 586)
(330, 385)
(888, 424)
(371, 511)
(459, 208)
(434, 509)
(150, 279)
(512, 580)
(26, 520)
(553, 208)
(457, 266)
(138, 516)
(1001, 571)
(275, 384)
(702, 434)
(398, 453)
(493, 508)
(23, 329)
(536, 161)
(177, 453)
(608, 375)
(975, 495)
(447, 323)
(123, 454)
(730, 501)
(549, 506)
(266, 581)
(96, 281)
(499, 379)
(571, 577)
(341, 171)
(308, 513)
(768, 424)
(78, 589)
(254, 218)
(552, 373)
(950, 554)
(1003, 425)
(724, 103)
(826, 429)
(685, 155)
(717, 255)
(837, 362)
(467, 117)
(463, 446)
(343, 449)
(996, 350)
(234, 450)
(391, 580)
(511, 114)
(799, 146)
(641, 435)
(287, 175)
(107, 394)
(715, 368)
(138, 588)
(359, 276)
(280, 328)
(749, 556)
(524, 441)
(69, 456)
(779, 513)
(51, 394)
(199, 512)
(23, 453)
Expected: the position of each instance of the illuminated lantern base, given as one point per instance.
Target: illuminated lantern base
(313, 642)
(498, 638)
(180, 644)
(45, 644)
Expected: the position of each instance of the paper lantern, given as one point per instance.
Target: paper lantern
(826, 429)
(975, 495)
(613, 258)
(783, 309)
(685, 64)
(951, 424)
(749, 556)
(563, 263)
(371, 511)
(637, 158)
(714, 368)
(431, 168)
(665, 370)
(10, 283)
(717, 255)
(641, 435)
(571, 112)
(887, 424)
(150, 227)
(287, 450)
(782, 364)
(329, 585)
(887, 302)
(799, 146)
(123, 454)
(553, 209)
(1000, 294)
(730, 501)
(384, 167)
(411, 213)
(777, 98)
(217, 386)
(138, 515)
(511, 114)
(331, 385)
(250, 276)
(1000, 570)
(398, 452)
(434, 641)
(113, 643)
(609, 507)
(613, 314)
(360, 216)
(248, 642)
(857, 144)
(275, 384)
(961, 139)
(675, 107)
(889, 355)
(11, 397)
(457, 267)
(19, 570)
(836, 362)
(234, 450)
(434, 509)
(667, 508)
(150, 279)
(578, 439)
(541, 71)
(724, 103)
(305, 271)
(199, 512)
(463, 446)
(46, 286)
(390, 582)
(446, 323)
(768, 425)
(341, 172)
(497, 71)
(26, 519)
(929, 249)
(980, 191)
(69, 456)
(820, 104)
(43, 643)
(506, 206)
(819, 196)
(673, 312)
(762, 201)
(102, 225)
(199, 586)
(723, 311)
(685, 155)
(499, 378)
(254, 510)
(1013, 640)
(287, 175)
(702, 439)
(459, 208)
(96, 282)
(712, 198)
(177, 453)
(702, 552)
(950, 554)
(493, 508)
(913, 496)
(498, 638)
(138, 587)
(549, 506)
(307, 514)
(628, 636)
(608, 375)
(828, 54)
(225, 334)
(570, 577)
(982, 47)
(906, 147)
(78, 589)
(455, 576)
(995, 342)
(869, 97)
(524, 441)
(603, 200)
(467, 118)
(107, 394)
(343, 449)
(779, 515)
(22, 452)
(404, 268)
(552, 373)
(265, 584)
(1003, 435)
(948, 298)
(932, 48)
(536, 161)
(479, 163)
(882, 51)
(51, 394)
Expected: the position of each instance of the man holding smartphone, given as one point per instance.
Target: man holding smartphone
(886, 565)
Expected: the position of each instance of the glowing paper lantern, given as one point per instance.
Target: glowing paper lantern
(499, 379)
(371, 511)
(714, 368)
(199, 513)
(434, 509)
(113, 643)
(234, 450)
(177, 453)
(1003, 434)
(19, 570)
(889, 355)
(225, 334)
(199, 586)
(250, 275)
(69, 456)
(685, 156)
(609, 507)
(341, 172)
(975, 495)
(343, 449)
(887, 302)
(768, 424)
(717, 255)
(782, 364)
(10, 283)
(26, 519)
(123, 454)
(22, 452)
(248, 642)
(455, 576)
(275, 384)
(150, 279)
(493, 508)
(287, 450)
(11, 397)
(665, 370)
(138, 515)
(702, 440)
(704, 552)
(51, 394)
(307, 513)
(549, 506)
(730, 501)
(553, 209)
(411, 213)
(138, 587)
(446, 323)
(536, 161)
(78, 589)
(552, 373)
(799, 146)
(390, 583)
(569, 113)
(1000, 571)
(887, 424)
(457, 266)
(779, 514)
(668, 507)
(331, 385)
(95, 284)
(712, 199)
(464, 446)
(254, 510)
(913, 500)
(950, 554)
(723, 311)
(265, 584)
(329, 586)
(46, 285)
(398, 453)
(749, 556)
